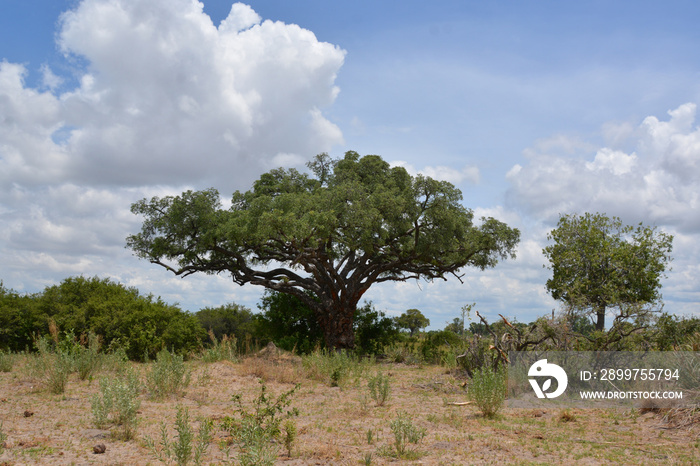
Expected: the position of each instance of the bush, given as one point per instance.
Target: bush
(373, 330)
(379, 388)
(52, 366)
(404, 433)
(121, 315)
(488, 389)
(187, 446)
(231, 320)
(118, 403)
(168, 375)
(7, 360)
(335, 368)
(257, 432)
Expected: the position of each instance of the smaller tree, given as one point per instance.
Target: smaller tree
(412, 320)
(598, 263)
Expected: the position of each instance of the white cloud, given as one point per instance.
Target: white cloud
(468, 173)
(658, 182)
(166, 101)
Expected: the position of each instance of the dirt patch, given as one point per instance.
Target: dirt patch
(337, 425)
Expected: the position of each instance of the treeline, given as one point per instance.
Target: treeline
(142, 325)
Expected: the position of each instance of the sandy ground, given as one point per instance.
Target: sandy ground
(42, 428)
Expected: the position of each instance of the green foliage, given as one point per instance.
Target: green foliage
(374, 331)
(256, 431)
(404, 433)
(357, 222)
(7, 360)
(379, 390)
(599, 263)
(335, 368)
(224, 350)
(3, 438)
(52, 365)
(232, 320)
(188, 447)
(288, 322)
(488, 389)
(168, 375)
(412, 320)
(20, 320)
(118, 403)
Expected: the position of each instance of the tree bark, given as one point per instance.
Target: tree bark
(336, 321)
(600, 317)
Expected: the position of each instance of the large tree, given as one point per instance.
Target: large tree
(324, 237)
(598, 263)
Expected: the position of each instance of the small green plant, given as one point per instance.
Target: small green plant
(290, 435)
(51, 365)
(3, 438)
(87, 359)
(335, 368)
(188, 446)
(488, 389)
(117, 404)
(168, 376)
(256, 431)
(7, 360)
(224, 350)
(367, 460)
(370, 436)
(379, 388)
(404, 433)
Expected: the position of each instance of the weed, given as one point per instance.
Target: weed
(3, 438)
(335, 368)
(370, 436)
(118, 404)
(255, 431)
(87, 359)
(224, 350)
(187, 447)
(53, 367)
(290, 435)
(367, 460)
(488, 389)
(7, 360)
(567, 416)
(405, 432)
(168, 376)
(379, 388)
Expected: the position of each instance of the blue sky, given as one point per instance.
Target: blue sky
(531, 108)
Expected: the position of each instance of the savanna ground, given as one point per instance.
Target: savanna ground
(334, 423)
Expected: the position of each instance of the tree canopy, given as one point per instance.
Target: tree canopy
(412, 320)
(598, 263)
(324, 237)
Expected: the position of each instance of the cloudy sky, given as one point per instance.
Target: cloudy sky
(531, 108)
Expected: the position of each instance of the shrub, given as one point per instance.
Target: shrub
(488, 389)
(224, 350)
(256, 432)
(379, 388)
(187, 446)
(168, 375)
(52, 366)
(7, 360)
(335, 367)
(118, 404)
(405, 432)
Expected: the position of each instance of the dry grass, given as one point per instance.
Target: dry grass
(333, 424)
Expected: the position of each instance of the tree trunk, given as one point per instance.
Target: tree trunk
(600, 317)
(337, 325)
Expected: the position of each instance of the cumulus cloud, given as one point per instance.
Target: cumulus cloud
(468, 173)
(165, 100)
(169, 98)
(658, 181)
